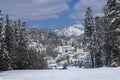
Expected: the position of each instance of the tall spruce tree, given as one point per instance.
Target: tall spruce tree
(89, 27)
(100, 56)
(113, 32)
(13, 54)
(4, 55)
(10, 40)
(22, 48)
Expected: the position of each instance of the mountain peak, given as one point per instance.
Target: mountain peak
(71, 31)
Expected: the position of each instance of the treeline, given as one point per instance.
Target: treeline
(14, 48)
(102, 35)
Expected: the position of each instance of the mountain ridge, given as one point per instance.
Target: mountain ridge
(75, 30)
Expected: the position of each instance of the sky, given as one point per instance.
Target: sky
(51, 14)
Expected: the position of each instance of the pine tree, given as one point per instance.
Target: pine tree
(10, 40)
(100, 56)
(113, 32)
(24, 57)
(4, 55)
(89, 27)
(16, 39)
(13, 54)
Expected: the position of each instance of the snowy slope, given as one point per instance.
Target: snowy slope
(74, 30)
(70, 74)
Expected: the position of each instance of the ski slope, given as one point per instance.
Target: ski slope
(69, 74)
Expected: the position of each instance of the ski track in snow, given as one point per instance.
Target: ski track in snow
(69, 74)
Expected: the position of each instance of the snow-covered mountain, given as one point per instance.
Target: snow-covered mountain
(72, 31)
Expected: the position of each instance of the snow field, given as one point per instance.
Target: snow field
(69, 74)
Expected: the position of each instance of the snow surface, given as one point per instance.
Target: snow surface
(69, 74)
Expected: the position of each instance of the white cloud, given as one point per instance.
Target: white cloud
(34, 9)
(80, 7)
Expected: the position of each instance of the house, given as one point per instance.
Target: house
(65, 49)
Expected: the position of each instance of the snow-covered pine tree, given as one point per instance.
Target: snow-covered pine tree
(4, 55)
(16, 38)
(22, 48)
(107, 47)
(89, 27)
(100, 56)
(94, 46)
(113, 32)
(14, 54)
(8, 32)
(10, 40)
